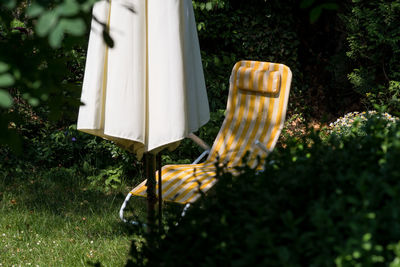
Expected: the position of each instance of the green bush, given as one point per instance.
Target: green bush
(318, 203)
(373, 37)
(102, 162)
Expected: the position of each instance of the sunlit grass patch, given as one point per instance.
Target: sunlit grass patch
(51, 218)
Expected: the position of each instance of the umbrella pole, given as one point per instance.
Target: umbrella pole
(159, 191)
(151, 192)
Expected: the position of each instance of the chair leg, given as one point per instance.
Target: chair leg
(183, 212)
(123, 206)
(121, 211)
(187, 206)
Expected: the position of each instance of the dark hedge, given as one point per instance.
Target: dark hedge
(318, 203)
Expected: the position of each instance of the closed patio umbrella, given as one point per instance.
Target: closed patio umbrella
(147, 92)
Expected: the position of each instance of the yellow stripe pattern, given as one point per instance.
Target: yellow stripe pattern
(256, 110)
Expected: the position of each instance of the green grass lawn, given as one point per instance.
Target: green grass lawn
(55, 218)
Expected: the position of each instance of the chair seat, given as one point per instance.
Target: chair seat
(182, 183)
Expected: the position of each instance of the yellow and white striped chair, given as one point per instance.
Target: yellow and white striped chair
(255, 115)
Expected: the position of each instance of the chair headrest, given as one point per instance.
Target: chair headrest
(258, 80)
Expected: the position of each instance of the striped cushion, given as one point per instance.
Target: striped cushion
(249, 118)
(258, 81)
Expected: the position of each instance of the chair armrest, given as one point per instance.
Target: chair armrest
(202, 144)
(199, 141)
(262, 147)
(206, 152)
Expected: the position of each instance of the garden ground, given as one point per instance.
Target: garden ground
(55, 218)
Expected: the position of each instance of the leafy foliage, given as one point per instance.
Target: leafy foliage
(319, 203)
(236, 30)
(354, 123)
(32, 67)
(373, 36)
(104, 164)
(316, 9)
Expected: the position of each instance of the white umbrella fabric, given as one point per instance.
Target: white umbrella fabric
(147, 92)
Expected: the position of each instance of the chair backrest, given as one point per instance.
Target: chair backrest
(256, 110)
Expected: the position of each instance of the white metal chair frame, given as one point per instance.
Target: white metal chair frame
(199, 142)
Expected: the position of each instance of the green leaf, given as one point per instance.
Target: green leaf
(34, 10)
(4, 67)
(200, 26)
(6, 80)
(5, 99)
(68, 8)
(315, 14)
(330, 6)
(306, 3)
(17, 23)
(10, 4)
(209, 6)
(75, 27)
(56, 36)
(17, 74)
(46, 22)
(367, 237)
(88, 5)
(33, 101)
(44, 97)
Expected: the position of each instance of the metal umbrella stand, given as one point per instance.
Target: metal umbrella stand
(153, 163)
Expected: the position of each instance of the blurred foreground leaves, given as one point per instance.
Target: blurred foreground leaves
(42, 46)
